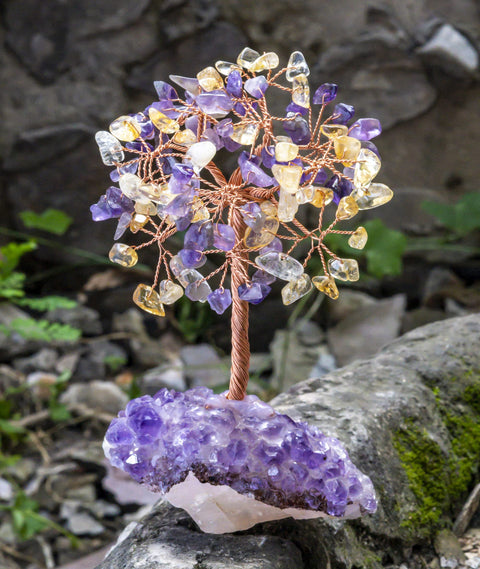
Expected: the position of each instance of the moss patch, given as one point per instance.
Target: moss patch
(438, 481)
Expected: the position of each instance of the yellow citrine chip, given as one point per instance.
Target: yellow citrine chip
(244, 133)
(347, 149)
(305, 194)
(333, 130)
(210, 79)
(344, 269)
(347, 208)
(287, 206)
(269, 209)
(169, 292)
(185, 137)
(301, 91)
(266, 61)
(367, 167)
(288, 177)
(285, 151)
(162, 122)
(123, 255)
(327, 285)
(373, 196)
(322, 197)
(147, 299)
(147, 208)
(125, 128)
(247, 57)
(296, 289)
(138, 221)
(358, 239)
(200, 211)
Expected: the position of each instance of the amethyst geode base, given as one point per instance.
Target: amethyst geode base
(245, 445)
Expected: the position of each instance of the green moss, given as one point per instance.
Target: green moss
(437, 480)
(426, 468)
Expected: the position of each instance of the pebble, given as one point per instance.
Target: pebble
(169, 375)
(82, 317)
(81, 523)
(100, 395)
(203, 366)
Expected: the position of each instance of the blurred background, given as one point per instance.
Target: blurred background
(71, 343)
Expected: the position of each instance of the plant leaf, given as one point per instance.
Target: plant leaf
(51, 220)
(384, 249)
(46, 303)
(11, 254)
(42, 330)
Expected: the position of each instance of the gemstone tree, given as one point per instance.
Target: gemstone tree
(168, 182)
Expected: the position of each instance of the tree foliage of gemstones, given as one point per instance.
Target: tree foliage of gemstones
(169, 182)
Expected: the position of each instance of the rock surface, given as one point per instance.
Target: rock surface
(412, 406)
(167, 538)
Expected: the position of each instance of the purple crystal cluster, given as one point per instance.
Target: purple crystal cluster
(244, 444)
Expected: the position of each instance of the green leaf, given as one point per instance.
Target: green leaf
(47, 303)
(45, 331)
(5, 408)
(467, 211)
(58, 411)
(9, 428)
(461, 218)
(384, 249)
(51, 220)
(11, 254)
(11, 286)
(443, 212)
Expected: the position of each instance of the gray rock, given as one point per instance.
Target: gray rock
(367, 329)
(325, 363)
(349, 301)
(406, 417)
(382, 79)
(82, 317)
(81, 523)
(186, 18)
(166, 538)
(34, 147)
(6, 490)
(99, 357)
(451, 49)
(101, 395)
(169, 375)
(37, 33)
(420, 317)
(44, 360)
(221, 40)
(294, 353)
(203, 366)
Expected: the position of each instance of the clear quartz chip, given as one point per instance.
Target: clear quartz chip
(280, 265)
